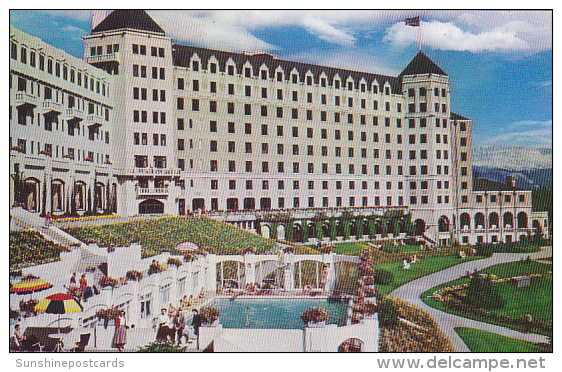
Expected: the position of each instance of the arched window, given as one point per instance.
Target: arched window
(443, 224)
(522, 220)
(151, 206)
(465, 221)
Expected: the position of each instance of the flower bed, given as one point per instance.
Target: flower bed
(422, 337)
(164, 234)
(134, 275)
(174, 261)
(155, 268)
(86, 218)
(106, 281)
(28, 307)
(452, 298)
(30, 248)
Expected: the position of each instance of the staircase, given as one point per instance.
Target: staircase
(24, 219)
(428, 239)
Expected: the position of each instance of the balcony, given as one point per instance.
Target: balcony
(154, 172)
(51, 108)
(94, 120)
(113, 57)
(24, 99)
(152, 191)
(74, 115)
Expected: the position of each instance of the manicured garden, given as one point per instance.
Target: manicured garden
(355, 248)
(535, 299)
(31, 248)
(164, 234)
(487, 342)
(427, 265)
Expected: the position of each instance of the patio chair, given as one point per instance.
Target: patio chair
(81, 345)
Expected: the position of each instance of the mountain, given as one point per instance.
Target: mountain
(526, 179)
(515, 158)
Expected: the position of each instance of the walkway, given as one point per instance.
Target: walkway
(411, 293)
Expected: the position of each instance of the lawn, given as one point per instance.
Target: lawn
(164, 234)
(426, 266)
(350, 248)
(535, 299)
(355, 248)
(487, 342)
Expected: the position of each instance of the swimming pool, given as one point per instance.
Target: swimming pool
(275, 313)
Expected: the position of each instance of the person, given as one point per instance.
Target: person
(17, 338)
(120, 335)
(171, 326)
(73, 279)
(86, 291)
(163, 329)
(528, 323)
(196, 324)
(179, 325)
(47, 219)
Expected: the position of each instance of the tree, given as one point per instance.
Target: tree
(483, 293)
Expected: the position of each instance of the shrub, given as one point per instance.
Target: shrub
(155, 267)
(209, 314)
(134, 275)
(315, 315)
(161, 347)
(388, 313)
(483, 293)
(106, 281)
(383, 276)
(174, 261)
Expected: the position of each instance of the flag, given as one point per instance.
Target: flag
(414, 21)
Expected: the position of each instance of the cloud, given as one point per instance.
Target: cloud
(200, 29)
(524, 133)
(448, 36)
(77, 15)
(327, 32)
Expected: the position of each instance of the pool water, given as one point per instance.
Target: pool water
(275, 313)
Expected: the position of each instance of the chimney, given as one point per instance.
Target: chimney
(510, 180)
(98, 16)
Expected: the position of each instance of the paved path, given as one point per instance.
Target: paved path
(411, 292)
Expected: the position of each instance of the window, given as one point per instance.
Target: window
(213, 126)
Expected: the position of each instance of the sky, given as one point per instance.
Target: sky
(499, 62)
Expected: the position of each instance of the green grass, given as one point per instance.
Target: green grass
(487, 342)
(164, 234)
(350, 248)
(535, 299)
(355, 248)
(428, 265)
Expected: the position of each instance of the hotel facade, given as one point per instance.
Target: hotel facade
(142, 125)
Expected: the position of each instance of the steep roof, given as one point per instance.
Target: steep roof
(421, 64)
(457, 117)
(183, 53)
(123, 18)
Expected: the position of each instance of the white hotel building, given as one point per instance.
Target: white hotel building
(142, 125)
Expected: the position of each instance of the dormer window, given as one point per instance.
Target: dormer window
(264, 74)
(295, 78)
(195, 65)
(231, 70)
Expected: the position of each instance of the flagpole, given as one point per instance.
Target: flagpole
(420, 35)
